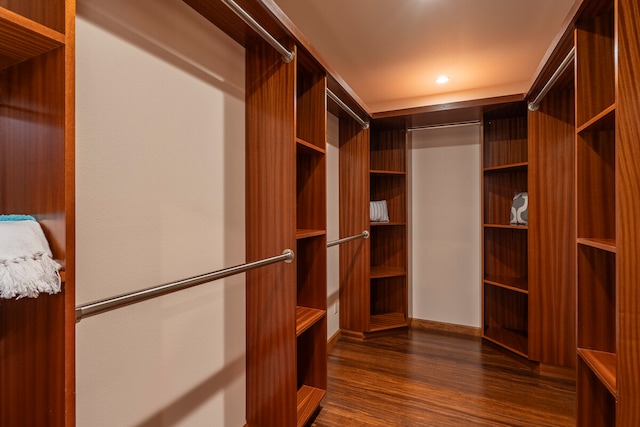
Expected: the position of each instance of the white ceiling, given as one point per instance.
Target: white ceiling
(391, 51)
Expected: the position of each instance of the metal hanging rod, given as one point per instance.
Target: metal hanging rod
(445, 125)
(101, 306)
(363, 235)
(287, 55)
(345, 107)
(535, 104)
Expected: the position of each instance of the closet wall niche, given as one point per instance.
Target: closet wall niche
(37, 335)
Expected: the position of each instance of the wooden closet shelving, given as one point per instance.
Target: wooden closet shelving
(37, 335)
(505, 285)
(388, 303)
(286, 208)
(608, 237)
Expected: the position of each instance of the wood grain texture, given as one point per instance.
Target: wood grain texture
(311, 266)
(270, 228)
(389, 150)
(51, 13)
(37, 336)
(506, 318)
(505, 138)
(224, 18)
(506, 256)
(388, 303)
(604, 365)
(628, 204)
(552, 230)
(596, 299)
(595, 66)
(499, 187)
(596, 405)
(311, 189)
(427, 378)
(22, 39)
(311, 102)
(596, 186)
(354, 218)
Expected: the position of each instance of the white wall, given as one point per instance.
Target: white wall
(160, 183)
(445, 225)
(333, 224)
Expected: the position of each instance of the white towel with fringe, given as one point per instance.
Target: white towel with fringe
(27, 267)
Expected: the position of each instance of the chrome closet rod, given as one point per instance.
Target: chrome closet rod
(363, 235)
(287, 55)
(101, 306)
(444, 125)
(535, 104)
(345, 107)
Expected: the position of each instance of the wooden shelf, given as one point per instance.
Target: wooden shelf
(603, 365)
(309, 399)
(307, 317)
(608, 245)
(378, 272)
(390, 223)
(515, 341)
(605, 120)
(515, 284)
(507, 168)
(306, 233)
(308, 147)
(507, 226)
(22, 38)
(386, 172)
(380, 322)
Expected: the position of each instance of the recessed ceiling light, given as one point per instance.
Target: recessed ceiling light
(442, 80)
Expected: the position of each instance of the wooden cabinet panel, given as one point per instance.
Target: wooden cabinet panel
(37, 336)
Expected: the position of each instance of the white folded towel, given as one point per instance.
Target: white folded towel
(27, 266)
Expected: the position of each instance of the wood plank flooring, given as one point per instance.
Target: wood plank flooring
(424, 378)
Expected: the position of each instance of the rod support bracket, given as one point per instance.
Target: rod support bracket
(291, 255)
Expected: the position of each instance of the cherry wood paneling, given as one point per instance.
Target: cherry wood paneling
(388, 246)
(388, 295)
(599, 408)
(595, 62)
(37, 336)
(311, 266)
(505, 139)
(596, 189)
(33, 143)
(552, 230)
(628, 204)
(311, 188)
(505, 302)
(506, 255)
(49, 13)
(311, 105)
(388, 151)
(391, 187)
(500, 185)
(270, 219)
(505, 318)
(596, 299)
(354, 219)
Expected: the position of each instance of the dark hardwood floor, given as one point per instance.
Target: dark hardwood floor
(424, 378)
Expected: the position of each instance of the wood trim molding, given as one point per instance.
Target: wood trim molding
(333, 339)
(432, 325)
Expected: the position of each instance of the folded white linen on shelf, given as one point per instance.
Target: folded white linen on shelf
(27, 267)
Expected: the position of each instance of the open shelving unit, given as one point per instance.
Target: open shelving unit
(286, 208)
(505, 285)
(596, 225)
(37, 335)
(608, 238)
(388, 293)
